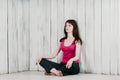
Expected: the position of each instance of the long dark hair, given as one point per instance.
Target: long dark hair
(76, 34)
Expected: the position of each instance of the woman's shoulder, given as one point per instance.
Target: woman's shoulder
(77, 42)
(62, 39)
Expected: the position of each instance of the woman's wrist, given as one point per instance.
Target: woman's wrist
(72, 59)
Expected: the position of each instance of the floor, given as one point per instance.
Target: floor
(36, 75)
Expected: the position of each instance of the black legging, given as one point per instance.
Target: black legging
(48, 65)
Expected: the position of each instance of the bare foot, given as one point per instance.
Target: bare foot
(56, 72)
(59, 73)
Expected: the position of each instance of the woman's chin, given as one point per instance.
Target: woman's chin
(68, 32)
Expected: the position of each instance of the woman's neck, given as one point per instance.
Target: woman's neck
(70, 36)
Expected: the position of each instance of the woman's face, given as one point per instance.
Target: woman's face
(69, 27)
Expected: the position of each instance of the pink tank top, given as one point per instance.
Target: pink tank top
(68, 51)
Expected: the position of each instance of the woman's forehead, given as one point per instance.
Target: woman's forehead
(67, 23)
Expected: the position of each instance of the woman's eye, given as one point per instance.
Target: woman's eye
(67, 26)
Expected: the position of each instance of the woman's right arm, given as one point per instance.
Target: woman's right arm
(54, 54)
(50, 56)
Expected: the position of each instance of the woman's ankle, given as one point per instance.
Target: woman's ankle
(53, 70)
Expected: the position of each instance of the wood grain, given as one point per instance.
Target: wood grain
(32, 28)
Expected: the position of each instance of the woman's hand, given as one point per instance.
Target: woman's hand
(38, 60)
(69, 64)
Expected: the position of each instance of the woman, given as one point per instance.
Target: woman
(70, 44)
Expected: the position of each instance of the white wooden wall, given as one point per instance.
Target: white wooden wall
(14, 35)
(3, 37)
(30, 28)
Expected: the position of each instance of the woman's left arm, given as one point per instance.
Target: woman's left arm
(77, 55)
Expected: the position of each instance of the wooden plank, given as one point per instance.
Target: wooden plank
(12, 36)
(97, 36)
(40, 44)
(40, 29)
(53, 27)
(36, 32)
(106, 36)
(114, 37)
(119, 37)
(60, 24)
(33, 34)
(70, 9)
(82, 27)
(89, 36)
(23, 34)
(18, 35)
(60, 20)
(3, 37)
(46, 27)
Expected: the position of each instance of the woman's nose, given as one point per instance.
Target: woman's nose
(67, 28)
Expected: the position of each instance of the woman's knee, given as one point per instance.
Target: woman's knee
(42, 61)
(76, 68)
